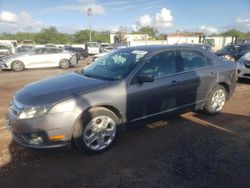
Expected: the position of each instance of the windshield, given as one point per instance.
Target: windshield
(93, 45)
(114, 65)
(228, 49)
(3, 47)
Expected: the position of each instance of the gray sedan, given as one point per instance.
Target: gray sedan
(125, 88)
(243, 66)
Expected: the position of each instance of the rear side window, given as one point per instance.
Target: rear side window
(192, 59)
(161, 64)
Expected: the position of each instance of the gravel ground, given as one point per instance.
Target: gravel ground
(191, 150)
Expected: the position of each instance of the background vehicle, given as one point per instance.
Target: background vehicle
(78, 51)
(233, 52)
(105, 47)
(39, 58)
(5, 50)
(23, 49)
(125, 88)
(81, 53)
(243, 66)
(93, 48)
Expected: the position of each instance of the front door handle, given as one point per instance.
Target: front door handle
(174, 83)
(212, 74)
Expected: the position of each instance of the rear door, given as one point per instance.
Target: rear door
(36, 58)
(197, 77)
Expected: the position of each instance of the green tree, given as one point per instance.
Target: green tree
(147, 30)
(81, 36)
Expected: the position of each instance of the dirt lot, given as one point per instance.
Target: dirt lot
(192, 150)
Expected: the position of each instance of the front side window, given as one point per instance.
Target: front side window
(161, 64)
(192, 59)
(228, 49)
(38, 51)
(114, 65)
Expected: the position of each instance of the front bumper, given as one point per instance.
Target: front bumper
(25, 131)
(4, 66)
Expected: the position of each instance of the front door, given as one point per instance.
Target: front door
(152, 100)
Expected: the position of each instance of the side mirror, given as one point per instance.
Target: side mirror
(145, 78)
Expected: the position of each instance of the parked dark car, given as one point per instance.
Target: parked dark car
(79, 52)
(233, 52)
(125, 88)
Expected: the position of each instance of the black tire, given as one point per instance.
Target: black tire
(17, 66)
(64, 64)
(209, 108)
(82, 126)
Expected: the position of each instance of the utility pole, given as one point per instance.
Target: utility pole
(90, 13)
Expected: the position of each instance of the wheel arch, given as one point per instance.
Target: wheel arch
(226, 86)
(108, 107)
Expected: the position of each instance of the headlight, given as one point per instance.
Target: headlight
(228, 58)
(33, 112)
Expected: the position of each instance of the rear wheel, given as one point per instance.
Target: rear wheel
(97, 130)
(17, 66)
(216, 100)
(64, 64)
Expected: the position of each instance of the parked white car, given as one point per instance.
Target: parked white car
(243, 66)
(4, 50)
(39, 58)
(93, 48)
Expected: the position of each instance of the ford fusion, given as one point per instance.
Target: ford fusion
(125, 88)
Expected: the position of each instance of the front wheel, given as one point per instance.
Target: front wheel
(64, 64)
(97, 130)
(216, 100)
(17, 66)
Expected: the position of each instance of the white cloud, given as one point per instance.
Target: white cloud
(96, 9)
(8, 17)
(144, 21)
(241, 24)
(243, 20)
(162, 19)
(22, 22)
(208, 30)
(82, 6)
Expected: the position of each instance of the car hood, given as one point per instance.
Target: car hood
(57, 88)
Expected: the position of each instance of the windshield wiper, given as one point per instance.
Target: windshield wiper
(97, 77)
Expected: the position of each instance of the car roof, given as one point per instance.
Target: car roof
(47, 48)
(151, 48)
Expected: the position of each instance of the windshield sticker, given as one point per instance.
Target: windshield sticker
(139, 52)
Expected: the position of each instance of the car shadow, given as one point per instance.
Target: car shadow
(191, 150)
(243, 81)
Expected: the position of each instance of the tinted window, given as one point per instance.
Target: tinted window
(39, 51)
(52, 50)
(192, 59)
(160, 64)
(228, 49)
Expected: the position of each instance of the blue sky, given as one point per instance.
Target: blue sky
(166, 15)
